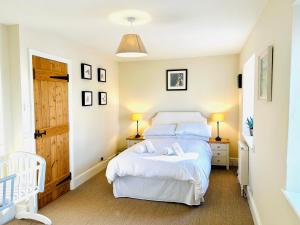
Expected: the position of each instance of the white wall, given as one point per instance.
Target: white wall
(3, 72)
(95, 129)
(212, 87)
(10, 110)
(271, 118)
(14, 89)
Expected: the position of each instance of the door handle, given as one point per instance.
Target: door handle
(38, 134)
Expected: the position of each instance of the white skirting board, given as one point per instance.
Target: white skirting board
(253, 209)
(88, 174)
(233, 161)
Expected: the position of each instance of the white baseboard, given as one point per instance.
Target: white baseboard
(88, 174)
(253, 209)
(233, 161)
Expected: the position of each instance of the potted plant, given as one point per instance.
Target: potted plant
(250, 124)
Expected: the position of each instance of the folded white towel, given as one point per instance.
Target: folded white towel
(140, 148)
(150, 147)
(178, 150)
(170, 151)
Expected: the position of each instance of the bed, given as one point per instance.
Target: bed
(162, 177)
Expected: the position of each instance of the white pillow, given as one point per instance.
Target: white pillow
(192, 137)
(178, 150)
(161, 130)
(158, 136)
(192, 128)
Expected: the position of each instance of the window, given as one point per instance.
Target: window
(248, 92)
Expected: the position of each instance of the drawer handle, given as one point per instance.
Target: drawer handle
(218, 146)
(218, 153)
(218, 160)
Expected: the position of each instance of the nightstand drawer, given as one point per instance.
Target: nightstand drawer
(219, 153)
(219, 146)
(133, 142)
(219, 160)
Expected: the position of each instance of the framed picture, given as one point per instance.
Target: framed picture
(102, 98)
(86, 71)
(101, 75)
(87, 98)
(265, 74)
(177, 80)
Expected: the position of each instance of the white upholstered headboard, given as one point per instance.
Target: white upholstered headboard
(177, 117)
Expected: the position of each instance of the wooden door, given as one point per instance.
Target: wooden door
(52, 125)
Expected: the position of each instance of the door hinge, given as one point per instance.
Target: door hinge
(64, 180)
(61, 77)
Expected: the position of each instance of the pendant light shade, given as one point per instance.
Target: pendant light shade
(131, 46)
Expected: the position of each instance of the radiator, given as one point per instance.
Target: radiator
(243, 167)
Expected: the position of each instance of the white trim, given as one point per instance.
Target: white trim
(233, 161)
(296, 2)
(253, 208)
(88, 174)
(31, 94)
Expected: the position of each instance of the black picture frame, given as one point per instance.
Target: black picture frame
(84, 95)
(100, 78)
(102, 101)
(177, 73)
(84, 68)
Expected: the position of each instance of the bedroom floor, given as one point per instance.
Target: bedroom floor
(93, 204)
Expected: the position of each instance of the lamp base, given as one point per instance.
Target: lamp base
(218, 138)
(137, 136)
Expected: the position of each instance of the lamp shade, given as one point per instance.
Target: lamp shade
(136, 116)
(131, 46)
(217, 117)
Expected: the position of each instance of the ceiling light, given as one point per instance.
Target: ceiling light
(121, 17)
(131, 45)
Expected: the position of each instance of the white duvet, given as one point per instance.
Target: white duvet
(194, 166)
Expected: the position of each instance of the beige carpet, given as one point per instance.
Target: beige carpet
(93, 204)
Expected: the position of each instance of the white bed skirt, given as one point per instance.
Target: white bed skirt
(166, 190)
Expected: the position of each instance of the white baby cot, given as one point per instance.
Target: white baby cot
(22, 177)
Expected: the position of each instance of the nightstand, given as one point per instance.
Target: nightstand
(132, 140)
(220, 150)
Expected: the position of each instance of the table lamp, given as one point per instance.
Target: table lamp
(218, 117)
(137, 117)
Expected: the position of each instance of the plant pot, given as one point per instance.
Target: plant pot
(251, 132)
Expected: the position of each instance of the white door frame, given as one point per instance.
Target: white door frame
(70, 102)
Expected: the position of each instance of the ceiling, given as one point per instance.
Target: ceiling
(178, 29)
